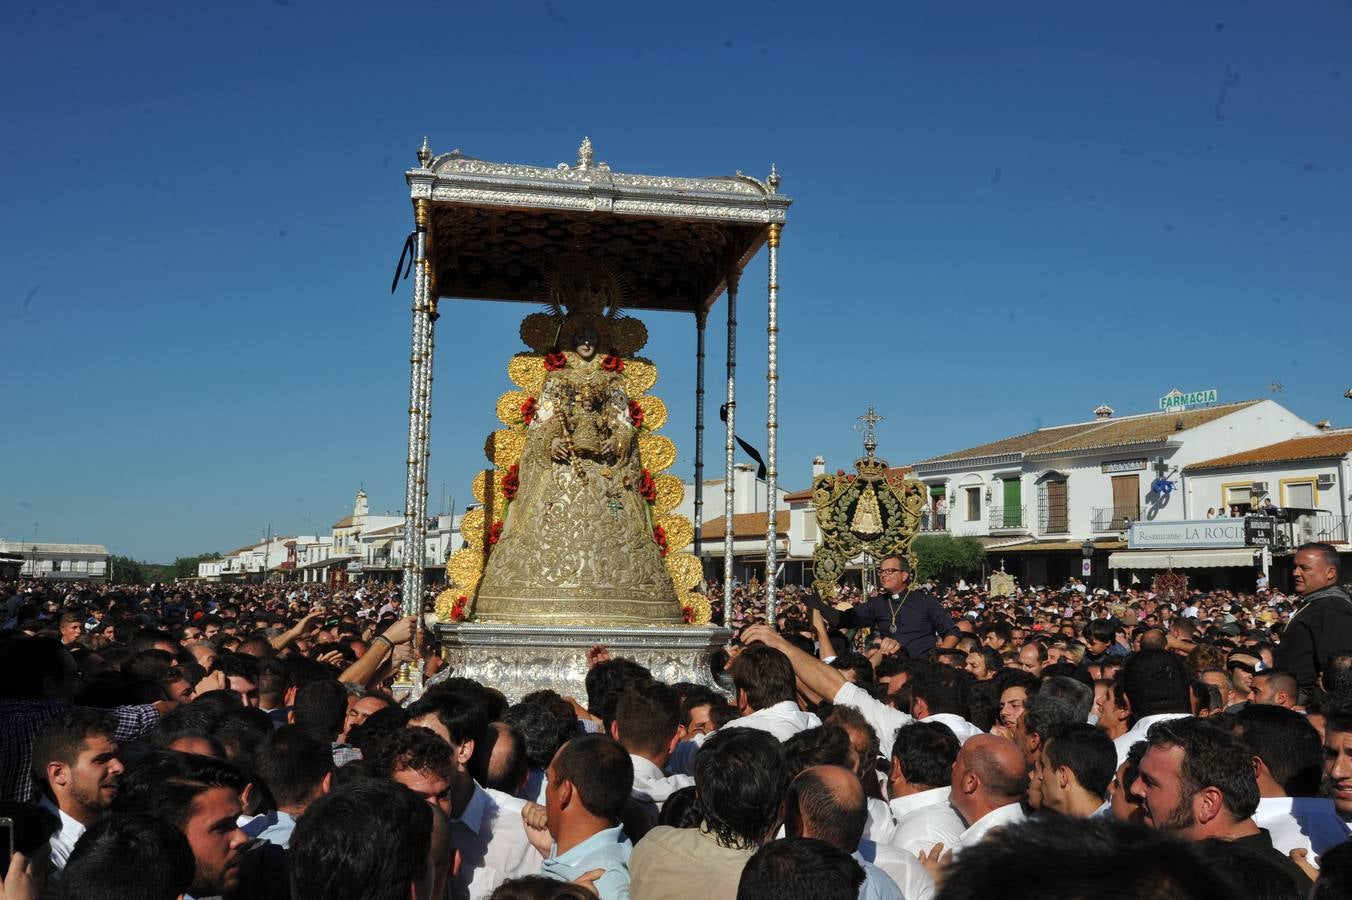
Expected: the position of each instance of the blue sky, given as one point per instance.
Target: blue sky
(1005, 214)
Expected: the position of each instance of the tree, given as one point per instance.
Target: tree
(186, 566)
(125, 570)
(947, 557)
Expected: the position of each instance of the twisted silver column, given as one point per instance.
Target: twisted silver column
(415, 503)
(772, 426)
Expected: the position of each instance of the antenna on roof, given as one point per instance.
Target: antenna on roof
(1275, 388)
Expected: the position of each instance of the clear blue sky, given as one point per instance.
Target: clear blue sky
(1006, 214)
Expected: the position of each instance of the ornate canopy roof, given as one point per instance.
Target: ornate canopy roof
(496, 227)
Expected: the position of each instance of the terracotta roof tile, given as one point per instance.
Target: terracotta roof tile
(745, 525)
(1100, 434)
(806, 493)
(1319, 446)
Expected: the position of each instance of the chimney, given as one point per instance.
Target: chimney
(1324, 425)
(818, 466)
(1103, 412)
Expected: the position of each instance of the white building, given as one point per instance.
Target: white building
(1043, 500)
(59, 562)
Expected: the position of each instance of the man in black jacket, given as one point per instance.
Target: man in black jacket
(1323, 624)
(909, 615)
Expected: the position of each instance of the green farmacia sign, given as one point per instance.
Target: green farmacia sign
(1176, 399)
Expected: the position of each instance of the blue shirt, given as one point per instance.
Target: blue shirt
(608, 849)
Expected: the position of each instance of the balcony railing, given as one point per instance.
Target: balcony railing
(933, 521)
(1114, 518)
(1006, 518)
(1327, 528)
(1053, 518)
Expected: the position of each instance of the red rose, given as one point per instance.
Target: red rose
(510, 482)
(636, 413)
(647, 488)
(555, 361)
(688, 614)
(528, 410)
(612, 363)
(660, 536)
(458, 608)
(495, 533)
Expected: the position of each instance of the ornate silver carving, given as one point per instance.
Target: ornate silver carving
(729, 448)
(518, 659)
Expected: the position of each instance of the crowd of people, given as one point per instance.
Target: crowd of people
(910, 741)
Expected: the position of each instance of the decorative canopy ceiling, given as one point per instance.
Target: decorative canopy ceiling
(496, 228)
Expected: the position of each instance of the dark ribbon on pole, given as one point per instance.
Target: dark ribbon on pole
(750, 450)
(405, 254)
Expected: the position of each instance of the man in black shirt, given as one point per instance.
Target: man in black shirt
(909, 615)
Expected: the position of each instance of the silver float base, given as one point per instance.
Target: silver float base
(519, 659)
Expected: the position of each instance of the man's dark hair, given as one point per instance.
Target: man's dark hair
(1327, 553)
(1287, 744)
(499, 759)
(1086, 751)
(740, 778)
(462, 715)
(824, 745)
(147, 638)
(648, 715)
(33, 826)
(1002, 631)
(1212, 757)
(903, 563)
(293, 764)
(1101, 630)
(943, 688)
(801, 868)
(166, 784)
(1263, 877)
(239, 665)
(838, 820)
(539, 729)
(1010, 677)
(320, 708)
(1156, 682)
(1044, 714)
(606, 682)
(1078, 693)
(241, 732)
(147, 665)
(1335, 874)
(380, 727)
(540, 887)
(601, 772)
(417, 750)
(562, 711)
(681, 809)
(926, 752)
(62, 737)
(765, 674)
(1065, 669)
(1073, 859)
(368, 840)
(129, 857)
(857, 664)
(27, 663)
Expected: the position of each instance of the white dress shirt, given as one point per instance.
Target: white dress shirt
(880, 825)
(492, 842)
(652, 786)
(1308, 822)
(960, 726)
(62, 843)
(925, 819)
(1001, 815)
(783, 720)
(905, 870)
(1137, 733)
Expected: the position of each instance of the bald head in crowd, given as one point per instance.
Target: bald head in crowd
(990, 772)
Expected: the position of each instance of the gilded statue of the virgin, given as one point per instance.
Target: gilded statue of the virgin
(577, 543)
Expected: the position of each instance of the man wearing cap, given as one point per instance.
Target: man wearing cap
(1323, 624)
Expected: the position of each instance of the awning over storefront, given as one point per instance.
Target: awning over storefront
(1182, 559)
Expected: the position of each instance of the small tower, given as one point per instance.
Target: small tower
(359, 508)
